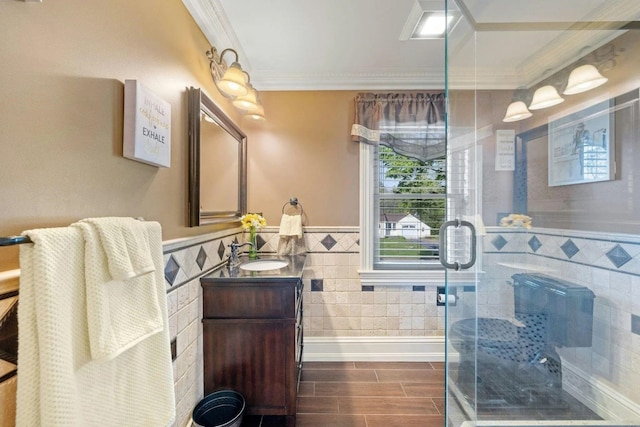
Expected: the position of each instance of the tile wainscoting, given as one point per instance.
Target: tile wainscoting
(403, 320)
(340, 313)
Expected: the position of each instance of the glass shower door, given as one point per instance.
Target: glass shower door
(543, 162)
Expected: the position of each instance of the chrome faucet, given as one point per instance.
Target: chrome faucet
(234, 260)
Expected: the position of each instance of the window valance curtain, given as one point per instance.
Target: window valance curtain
(412, 124)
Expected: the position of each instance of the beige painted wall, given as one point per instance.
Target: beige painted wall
(62, 83)
(304, 149)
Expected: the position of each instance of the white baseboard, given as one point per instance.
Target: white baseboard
(598, 396)
(374, 349)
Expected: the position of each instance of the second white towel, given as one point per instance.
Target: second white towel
(291, 225)
(122, 305)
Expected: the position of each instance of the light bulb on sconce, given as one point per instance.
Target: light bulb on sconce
(584, 78)
(230, 80)
(545, 97)
(248, 101)
(258, 114)
(517, 110)
(234, 81)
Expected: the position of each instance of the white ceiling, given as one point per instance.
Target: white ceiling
(355, 44)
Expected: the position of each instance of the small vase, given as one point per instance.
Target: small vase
(253, 249)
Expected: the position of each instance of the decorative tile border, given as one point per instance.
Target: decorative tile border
(190, 258)
(619, 253)
(317, 239)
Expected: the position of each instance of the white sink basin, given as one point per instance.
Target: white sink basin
(263, 265)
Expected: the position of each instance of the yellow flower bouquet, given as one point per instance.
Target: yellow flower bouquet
(253, 222)
(516, 220)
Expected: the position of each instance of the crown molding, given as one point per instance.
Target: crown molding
(271, 81)
(435, 79)
(215, 26)
(564, 50)
(574, 41)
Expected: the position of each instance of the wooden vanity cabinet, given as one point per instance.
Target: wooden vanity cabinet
(252, 337)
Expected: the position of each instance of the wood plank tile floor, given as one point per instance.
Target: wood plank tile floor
(367, 394)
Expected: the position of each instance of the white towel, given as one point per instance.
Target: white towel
(126, 246)
(291, 225)
(291, 241)
(120, 312)
(291, 245)
(59, 384)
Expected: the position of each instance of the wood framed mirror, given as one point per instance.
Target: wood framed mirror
(217, 164)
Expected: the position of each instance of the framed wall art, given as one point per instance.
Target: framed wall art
(147, 126)
(581, 146)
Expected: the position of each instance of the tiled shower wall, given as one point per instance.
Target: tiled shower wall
(335, 304)
(608, 264)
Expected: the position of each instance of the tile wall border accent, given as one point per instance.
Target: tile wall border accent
(612, 252)
(338, 240)
(190, 258)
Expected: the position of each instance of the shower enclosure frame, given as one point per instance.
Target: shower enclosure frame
(594, 249)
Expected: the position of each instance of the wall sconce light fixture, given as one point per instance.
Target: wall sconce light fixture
(581, 79)
(233, 82)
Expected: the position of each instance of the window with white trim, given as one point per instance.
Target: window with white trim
(403, 202)
(409, 194)
(403, 191)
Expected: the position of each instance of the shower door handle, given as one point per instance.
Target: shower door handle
(444, 248)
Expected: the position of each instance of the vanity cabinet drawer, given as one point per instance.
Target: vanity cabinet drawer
(260, 300)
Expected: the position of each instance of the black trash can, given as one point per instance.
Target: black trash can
(223, 408)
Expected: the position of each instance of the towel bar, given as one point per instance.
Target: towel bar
(14, 240)
(19, 240)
